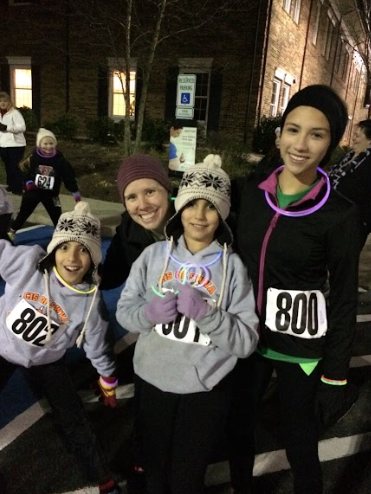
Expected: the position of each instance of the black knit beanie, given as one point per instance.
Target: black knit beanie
(324, 99)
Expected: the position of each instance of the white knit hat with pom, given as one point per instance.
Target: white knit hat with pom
(80, 226)
(44, 133)
(208, 181)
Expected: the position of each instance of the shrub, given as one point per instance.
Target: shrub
(156, 132)
(64, 127)
(29, 117)
(101, 130)
(264, 136)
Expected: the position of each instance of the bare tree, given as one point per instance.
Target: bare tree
(136, 28)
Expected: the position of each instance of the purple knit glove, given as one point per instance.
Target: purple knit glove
(76, 196)
(30, 185)
(161, 310)
(191, 302)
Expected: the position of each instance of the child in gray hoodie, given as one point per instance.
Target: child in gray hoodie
(51, 302)
(192, 302)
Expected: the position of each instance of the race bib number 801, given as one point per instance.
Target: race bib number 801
(300, 314)
(183, 330)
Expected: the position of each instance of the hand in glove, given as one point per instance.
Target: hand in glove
(107, 388)
(161, 310)
(332, 402)
(191, 302)
(30, 185)
(76, 196)
(3, 127)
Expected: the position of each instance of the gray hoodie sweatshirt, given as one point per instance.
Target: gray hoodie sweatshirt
(23, 307)
(183, 357)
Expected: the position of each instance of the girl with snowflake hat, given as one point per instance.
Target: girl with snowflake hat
(51, 302)
(192, 303)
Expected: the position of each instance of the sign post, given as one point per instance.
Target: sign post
(183, 137)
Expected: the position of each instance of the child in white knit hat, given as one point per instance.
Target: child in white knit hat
(44, 171)
(50, 303)
(192, 303)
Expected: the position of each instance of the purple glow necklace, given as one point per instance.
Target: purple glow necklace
(298, 214)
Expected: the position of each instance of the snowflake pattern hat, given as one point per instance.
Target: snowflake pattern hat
(207, 181)
(80, 226)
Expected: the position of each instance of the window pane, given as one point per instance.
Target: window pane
(118, 99)
(22, 88)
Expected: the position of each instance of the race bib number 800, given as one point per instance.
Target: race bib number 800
(300, 314)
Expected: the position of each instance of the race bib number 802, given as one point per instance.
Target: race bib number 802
(300, 314)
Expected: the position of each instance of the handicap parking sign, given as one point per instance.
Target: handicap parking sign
(185, 98)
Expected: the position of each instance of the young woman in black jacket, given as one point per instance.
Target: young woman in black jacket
(293, 231)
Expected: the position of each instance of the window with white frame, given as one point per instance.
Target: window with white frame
(292, 7)
(317, 21)
(275, 98)
(285, 97)
(329, 34)
(339, 54)
(344, 64)
(20, 81)
(201, 67)
(117, 88)
(281, 90)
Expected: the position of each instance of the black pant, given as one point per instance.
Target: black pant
(298, 425)
(4, 225)
(11, 157)
(30, 199)
(179, 434)
(68, 414)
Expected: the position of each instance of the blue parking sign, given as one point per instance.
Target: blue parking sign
(185, 98)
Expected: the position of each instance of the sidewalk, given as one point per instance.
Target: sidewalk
(108, 212)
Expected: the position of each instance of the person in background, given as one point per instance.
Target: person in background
(6, 211)
(50, 303)
(293, 231)
(192, 303)
(12, 142)
(44, 171)
(145, 190)
(174, 159)
(352, 176)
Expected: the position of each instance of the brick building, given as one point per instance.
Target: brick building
(249, 60)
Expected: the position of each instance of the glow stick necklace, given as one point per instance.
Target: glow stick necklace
(71, 287)
(298, 214)
(190, 272)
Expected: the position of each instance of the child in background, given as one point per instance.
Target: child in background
(51, 302)
(195, 315)
(44, 171)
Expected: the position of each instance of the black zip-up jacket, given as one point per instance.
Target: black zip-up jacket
(298, 253)
(62, 171)
(126, 246)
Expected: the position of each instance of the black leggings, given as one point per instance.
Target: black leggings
(298, 425)
(68, 414)
(31, 199)
(180, 433)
